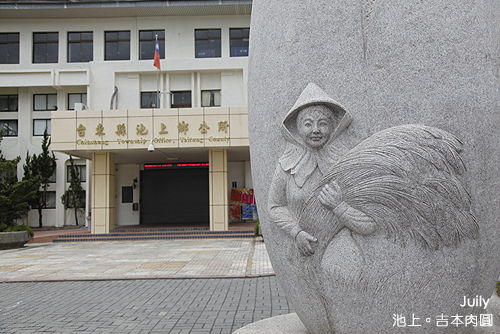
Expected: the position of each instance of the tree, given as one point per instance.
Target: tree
(74, 196)
(42, 166)
(15, 196)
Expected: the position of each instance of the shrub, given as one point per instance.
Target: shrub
(256, 229)
(17, 228)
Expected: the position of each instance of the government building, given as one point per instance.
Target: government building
(155, 145)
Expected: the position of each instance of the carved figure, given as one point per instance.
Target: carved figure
(400, 188)
(311, 127)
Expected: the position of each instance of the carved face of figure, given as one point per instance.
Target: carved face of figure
(315, 125)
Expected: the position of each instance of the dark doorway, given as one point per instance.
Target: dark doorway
(173, 196)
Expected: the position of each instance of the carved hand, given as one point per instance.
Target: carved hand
(303, 241)
(331, 195)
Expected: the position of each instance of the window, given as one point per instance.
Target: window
(40, 125)
(9, 102)
(210, 98)
(207, 43)
(181, 99)
(44, 102)
(80, 47)
(149, 100)
(8, 128)
(45, 47)
(239, 42)
(147, 42)
(117, 45)
(52, 178)
(9, 48)
(82, 170)
(76, 98)
(50, 201)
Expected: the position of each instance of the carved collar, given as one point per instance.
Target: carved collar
(299, 159)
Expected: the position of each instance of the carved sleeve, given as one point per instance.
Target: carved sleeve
(278, 210)
(354, 219)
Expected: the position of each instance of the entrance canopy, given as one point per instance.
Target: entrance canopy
(152, 135)
(155, 136)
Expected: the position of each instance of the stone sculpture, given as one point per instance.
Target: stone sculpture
(402, 184)
(387, 219)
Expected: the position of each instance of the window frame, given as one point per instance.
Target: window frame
(53, 177)
(81, 168)
(46, 43)
(151, 94)
(47, 201)
(7, 44)
(81, 100)
(9, 96)
(46, 102)
(117, 41)
(2, 124)
(80, 42)
(143, 55)
(54, 194)
(47, 126)
(181, 104)
(239, 38)
(198, 52)
(212, 98)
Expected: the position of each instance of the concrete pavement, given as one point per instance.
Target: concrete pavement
(191, 258)
(166, 286)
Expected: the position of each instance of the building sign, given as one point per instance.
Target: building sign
(119, 133)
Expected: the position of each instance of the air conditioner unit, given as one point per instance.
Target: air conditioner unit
(80, 106)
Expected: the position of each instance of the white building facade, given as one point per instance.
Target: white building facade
(84, 71)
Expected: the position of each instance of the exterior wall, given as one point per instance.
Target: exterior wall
(125, 175)
(240, 172)
(180, 71)
(236, 172)
(248, 175)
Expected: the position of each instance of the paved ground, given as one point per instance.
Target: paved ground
(138, 287)
(139, 306)
(136, 259)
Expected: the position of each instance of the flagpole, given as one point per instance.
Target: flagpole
(158, 95)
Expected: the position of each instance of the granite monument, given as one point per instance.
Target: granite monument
(378, 196)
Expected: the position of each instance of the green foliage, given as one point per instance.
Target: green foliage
(15, 196)
(16, 228)
(42, 166)
(256, 229)
(74, 196)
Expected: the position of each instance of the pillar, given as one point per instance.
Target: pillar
(103, 192)
(219, 206)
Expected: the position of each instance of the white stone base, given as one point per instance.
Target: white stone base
(287, 323)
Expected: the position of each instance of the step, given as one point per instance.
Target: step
(131, 233)
(50, 237)
(107, 237)
(161, 229)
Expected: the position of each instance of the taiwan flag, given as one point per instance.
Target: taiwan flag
(157, 55)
